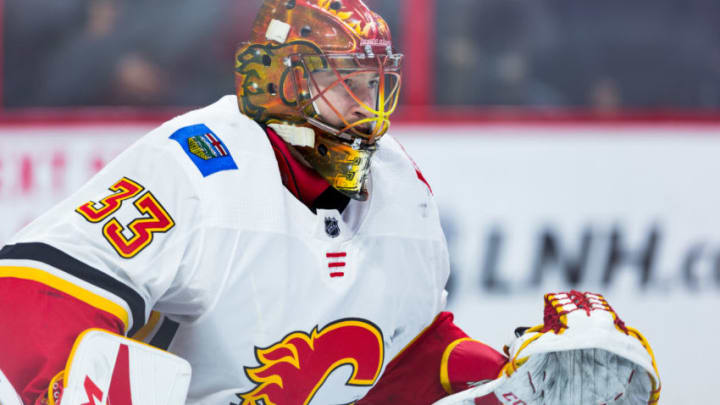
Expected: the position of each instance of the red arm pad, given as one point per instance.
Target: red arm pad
(39, 326)
(440, 361)
(459, 367)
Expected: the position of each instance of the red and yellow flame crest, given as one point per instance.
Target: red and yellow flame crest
(357, 17)
(293, 370)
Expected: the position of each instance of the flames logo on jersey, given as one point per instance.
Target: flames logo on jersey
(292, 371)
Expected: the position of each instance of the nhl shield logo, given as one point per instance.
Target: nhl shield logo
(331, 227)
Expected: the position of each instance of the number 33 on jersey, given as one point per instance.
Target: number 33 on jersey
(128, 240)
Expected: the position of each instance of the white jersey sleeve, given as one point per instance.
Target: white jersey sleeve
(125, 241)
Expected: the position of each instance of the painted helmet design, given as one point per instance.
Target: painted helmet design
(301, 55)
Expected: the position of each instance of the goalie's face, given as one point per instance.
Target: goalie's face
(349, 96)
(342, 99)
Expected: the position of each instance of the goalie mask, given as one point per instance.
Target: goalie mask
(324, 76)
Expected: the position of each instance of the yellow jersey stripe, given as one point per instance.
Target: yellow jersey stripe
(97, 301)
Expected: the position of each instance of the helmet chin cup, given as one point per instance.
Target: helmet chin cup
(344, 167)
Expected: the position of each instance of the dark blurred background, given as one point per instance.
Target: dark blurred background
(601, 56)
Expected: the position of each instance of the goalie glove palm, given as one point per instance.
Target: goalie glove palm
(586, 376)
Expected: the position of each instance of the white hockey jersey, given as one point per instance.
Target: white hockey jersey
(268, 301)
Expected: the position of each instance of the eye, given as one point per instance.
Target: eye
(374, 84)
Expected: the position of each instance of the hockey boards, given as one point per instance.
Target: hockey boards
(105, 368)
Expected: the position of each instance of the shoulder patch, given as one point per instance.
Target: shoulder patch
(205, 149)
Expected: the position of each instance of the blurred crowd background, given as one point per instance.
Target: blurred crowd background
(599, 55)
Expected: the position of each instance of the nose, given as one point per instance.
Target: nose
(368, 98)
(359, 112)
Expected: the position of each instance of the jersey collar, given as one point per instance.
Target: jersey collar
(302, 181)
